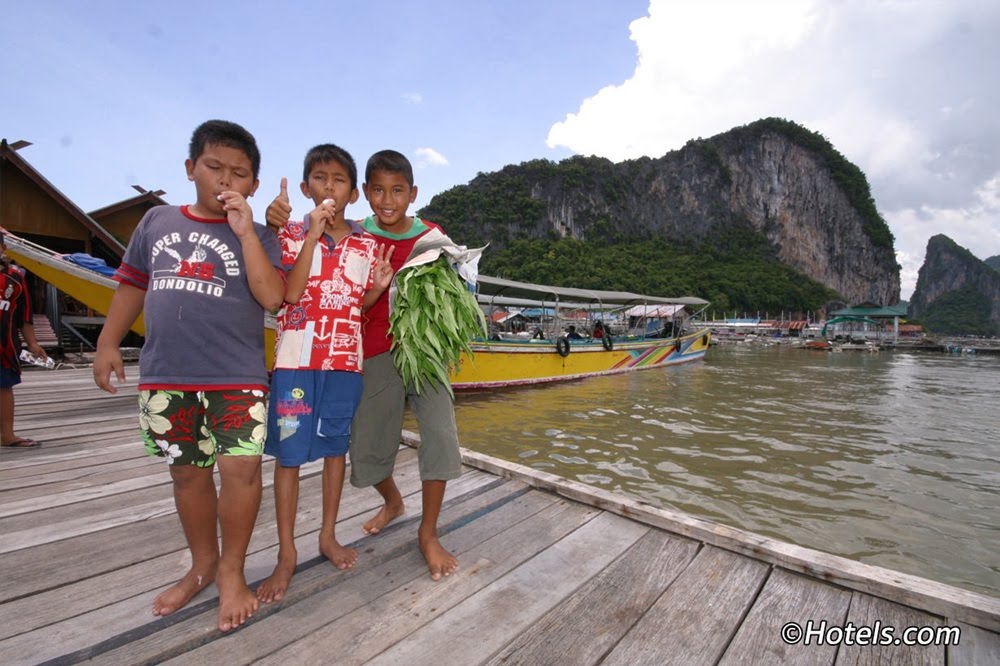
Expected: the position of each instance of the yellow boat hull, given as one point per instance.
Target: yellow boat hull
(500, 364)
(95, 291)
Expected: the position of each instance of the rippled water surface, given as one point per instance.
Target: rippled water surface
(892, 459)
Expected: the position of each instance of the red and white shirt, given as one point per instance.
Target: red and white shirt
(323, 330)
(15, 312)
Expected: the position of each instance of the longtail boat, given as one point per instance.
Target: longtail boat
(638, 332)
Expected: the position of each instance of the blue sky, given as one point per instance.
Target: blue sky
(109, 91)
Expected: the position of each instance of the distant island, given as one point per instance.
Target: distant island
(956, 292)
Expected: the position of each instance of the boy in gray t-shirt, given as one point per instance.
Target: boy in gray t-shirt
(204, 275)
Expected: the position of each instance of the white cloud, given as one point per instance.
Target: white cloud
(429, 157)
(975, 227)
(694, 60)
(413, 97)
(897, 87)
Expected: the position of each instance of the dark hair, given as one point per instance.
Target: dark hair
(225, 133)
(392, 161)
(327, 152)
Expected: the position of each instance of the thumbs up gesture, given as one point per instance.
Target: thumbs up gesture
(280, 210)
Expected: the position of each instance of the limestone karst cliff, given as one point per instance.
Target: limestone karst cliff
(772, 177)
(956, 292)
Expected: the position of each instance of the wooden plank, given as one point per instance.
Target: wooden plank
(788, 597)
(89, 472)
(53, 460)
(70, 596)
(694, 620)
(86, 516)
(60, 531)
(347, 615)
(99, 608)
(106, 475)
(195, 626)
(128, 595)
(934, 597)
(482, 624)
(869, 611)
(407, 479)
(55, 438)
(409, 599)
(582, 629)
(976, 647)
(72, 494)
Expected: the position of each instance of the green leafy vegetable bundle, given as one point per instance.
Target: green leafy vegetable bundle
(433, 318)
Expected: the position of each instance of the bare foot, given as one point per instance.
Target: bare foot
(439, 561)
(385, 515)
(274, 586)
(180, 593)
(341, 556)
(237, 602)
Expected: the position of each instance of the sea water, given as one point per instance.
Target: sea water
(891, 458)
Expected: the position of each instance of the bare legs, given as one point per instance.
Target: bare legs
(194, 496)
(333, 486)
(7, 416)
(235, 510)
(239, 501)
(439, 561)
(286, 506)
(286, 501)
(392, 507)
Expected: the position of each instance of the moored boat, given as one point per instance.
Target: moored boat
(638, 332)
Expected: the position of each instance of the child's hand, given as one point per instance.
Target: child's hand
(382, 271)
(106, 360)
(321, 218)
(37, 350)
(238, 212)
(279, 211)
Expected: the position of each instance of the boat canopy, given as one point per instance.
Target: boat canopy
(661, 311)
(510, 289)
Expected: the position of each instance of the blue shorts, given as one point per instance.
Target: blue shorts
(310, 414)
(9, 378)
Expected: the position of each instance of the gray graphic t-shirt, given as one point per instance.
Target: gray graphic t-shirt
(204, 329)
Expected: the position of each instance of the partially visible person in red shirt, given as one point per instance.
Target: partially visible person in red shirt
(15, 315)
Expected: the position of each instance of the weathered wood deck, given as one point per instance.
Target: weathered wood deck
(551, 571)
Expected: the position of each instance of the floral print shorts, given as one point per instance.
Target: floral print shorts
(192, 427)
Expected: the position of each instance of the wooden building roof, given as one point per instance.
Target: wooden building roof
(123, 217)
(32, 206)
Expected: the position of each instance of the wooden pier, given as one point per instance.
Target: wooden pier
(552, 571)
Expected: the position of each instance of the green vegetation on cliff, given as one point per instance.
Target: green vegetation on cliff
(736, 272)
(961, 312)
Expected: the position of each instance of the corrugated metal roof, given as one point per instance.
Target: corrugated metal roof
(875, 311)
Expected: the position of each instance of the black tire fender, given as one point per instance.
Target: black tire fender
(562, 347)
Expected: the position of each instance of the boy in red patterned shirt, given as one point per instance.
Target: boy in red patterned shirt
(336, 272)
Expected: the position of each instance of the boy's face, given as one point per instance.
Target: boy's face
(220, 169)
(330, 180)
(389, 195)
